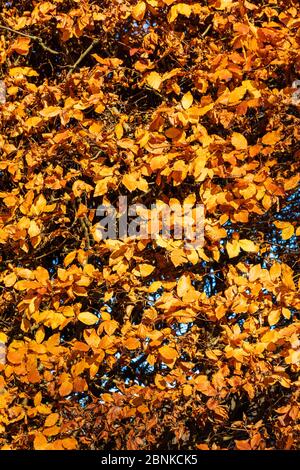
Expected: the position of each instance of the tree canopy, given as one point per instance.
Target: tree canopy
(147, 343)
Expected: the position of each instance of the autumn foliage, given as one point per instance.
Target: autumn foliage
(146, 344)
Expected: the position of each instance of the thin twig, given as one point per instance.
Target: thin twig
(83, 55)
(206, 31)
(34, 38)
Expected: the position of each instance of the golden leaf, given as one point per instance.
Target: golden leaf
(119, 131)
(273, 317)
(184, 284)
(187, 100)
(158, 162)
(146, 269)
(88, 318)
(288, 232)
(51, 111)
(248, 245)
(10, 280)
(233, 248)
(154, 80)
(32, 122)
(138, 11)
(239, 141)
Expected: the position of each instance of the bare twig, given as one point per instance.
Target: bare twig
(83, 55)
(34, 38)
(206, 31)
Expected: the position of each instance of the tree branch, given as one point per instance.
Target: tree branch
(83, 55)
(34, 38)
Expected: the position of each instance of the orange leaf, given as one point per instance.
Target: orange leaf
(271, 138)
(65, 389)
(51, 420)
(40, 442)
(168, 354)
(243, 445)
(132, 343)
(21, 46)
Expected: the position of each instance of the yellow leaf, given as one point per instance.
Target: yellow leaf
(130, 181)
(288, 232)
(184, 284)
(286, 313)
(25, 285)
(3, 338)
(139, 11)
(119, 131)
(40, 335)
(239, 141)
(51, 111)
(187, 100)
(69, 258)
(180, 8)
(154, 80)
(33, 229)
(255, 272)
(178, 257)
(158, 162)
(187, 390)
(88, 318)
(233, 248)
(248, 245)
(28, 71)
(146, 269)
(273, 317)
(202, 111)
(275, 271)
(10, 280)
(32, 122)
(237, 94)
(69, 443)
